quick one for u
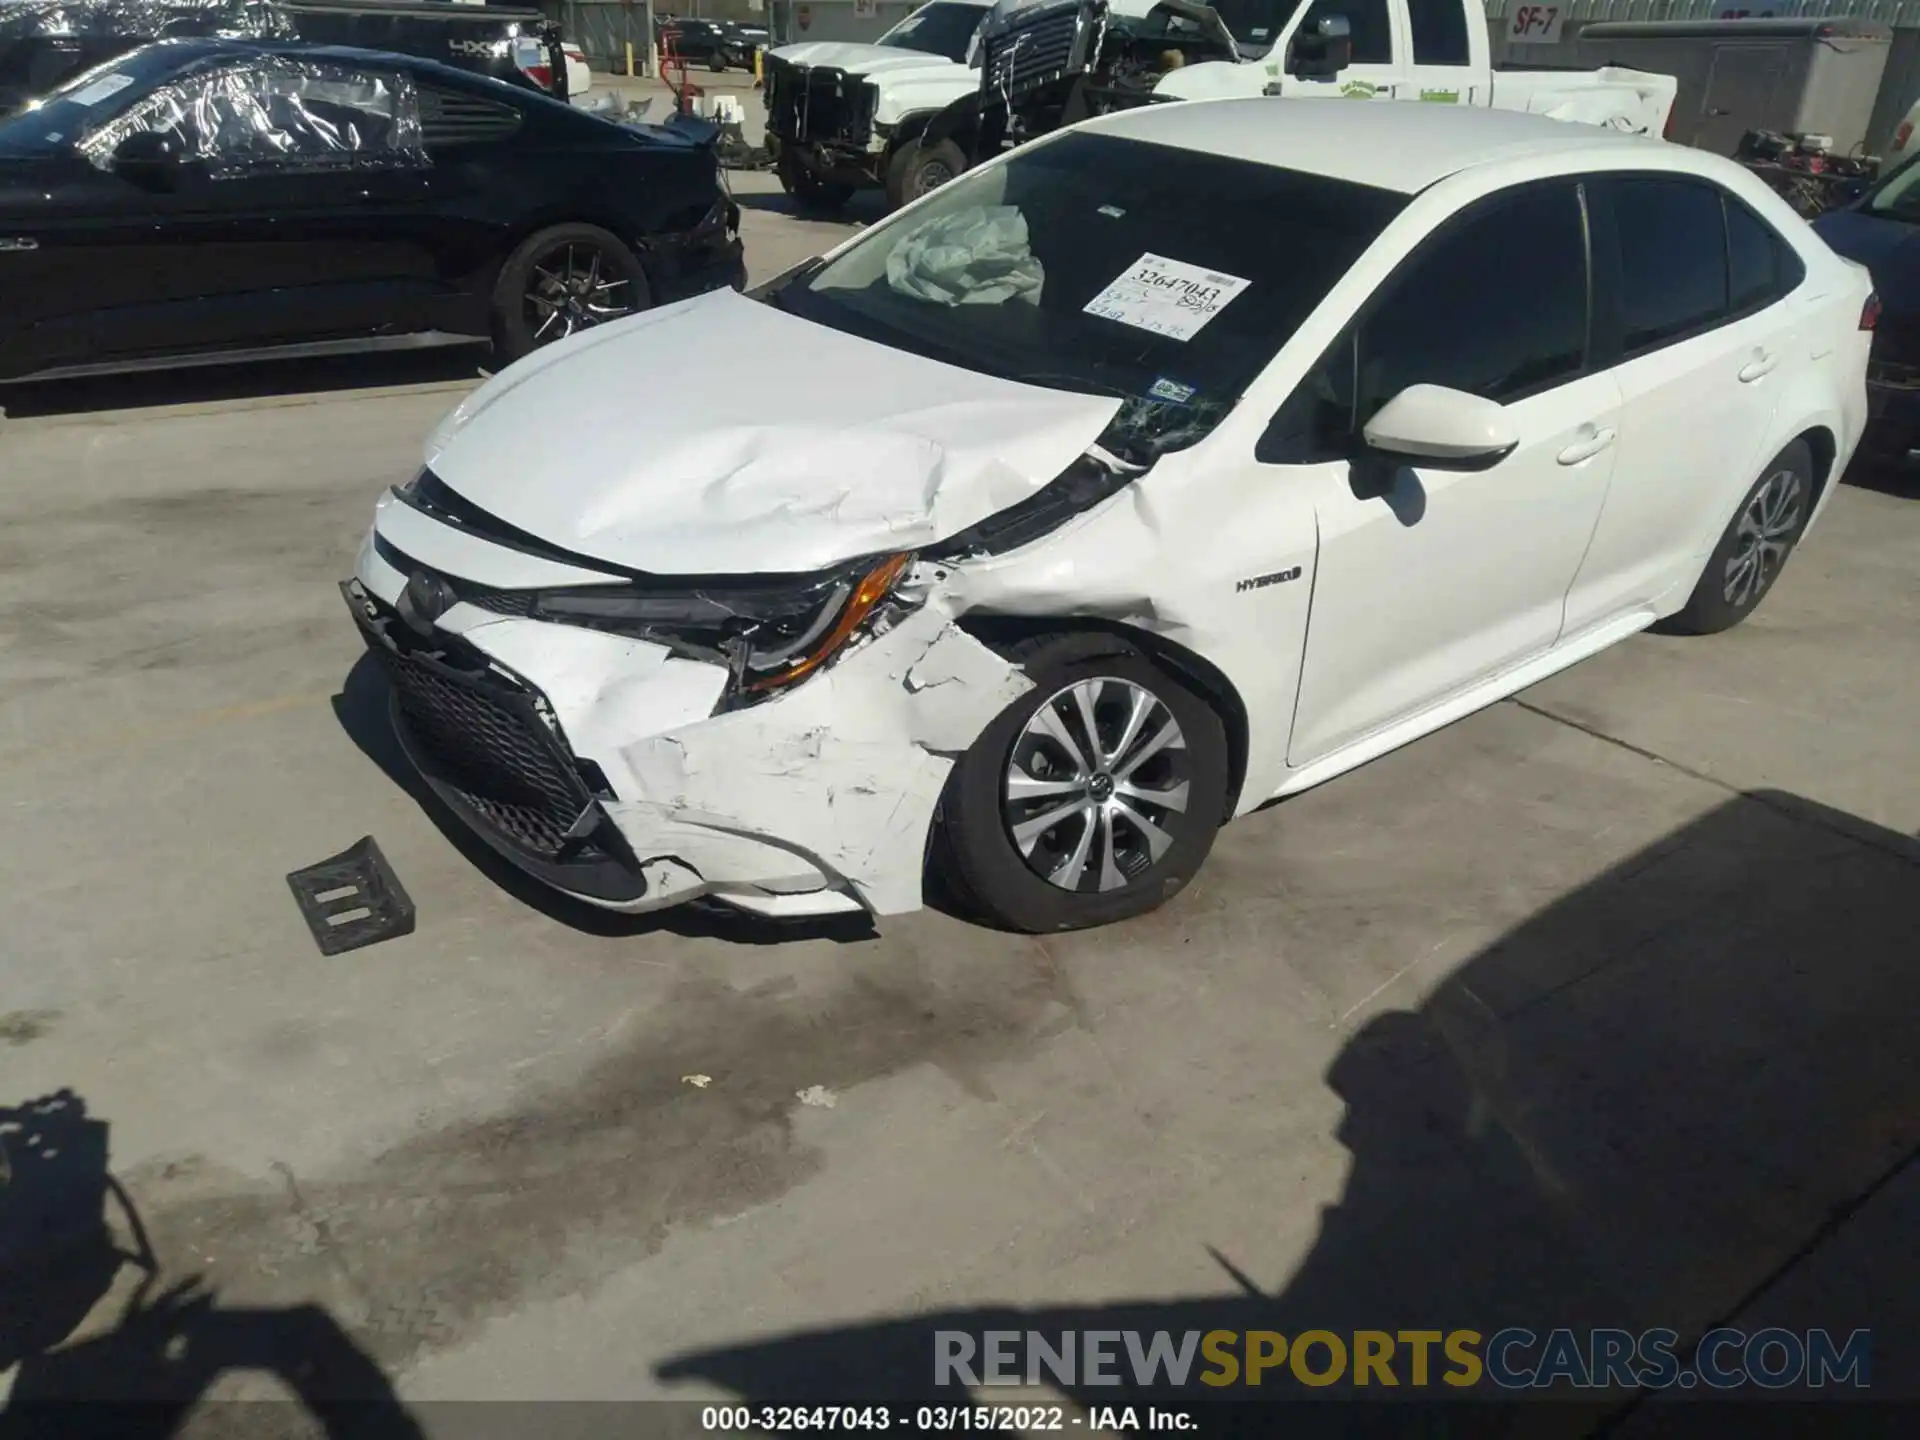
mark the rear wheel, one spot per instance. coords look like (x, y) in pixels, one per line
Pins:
(1754, 547)
(1092, 798)
(808, 190)
(561, 281)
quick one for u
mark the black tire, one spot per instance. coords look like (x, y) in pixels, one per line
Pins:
(1742, 569)
(898, 164)
(517, 331)
(922, 168)
(717, 62)
(976, 822)
(808, 190)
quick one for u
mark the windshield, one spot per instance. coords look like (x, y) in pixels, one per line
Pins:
(1168, 278)
(1899, 194)
(65, 113)
(1256, 24)
(943, 28)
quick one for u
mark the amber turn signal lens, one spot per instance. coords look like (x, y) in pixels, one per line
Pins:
(874, 587)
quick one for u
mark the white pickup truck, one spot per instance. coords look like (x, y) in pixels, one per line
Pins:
(959, 80)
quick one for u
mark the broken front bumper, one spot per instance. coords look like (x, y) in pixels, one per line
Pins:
(711, 256)
(603, 766)
(483, 743)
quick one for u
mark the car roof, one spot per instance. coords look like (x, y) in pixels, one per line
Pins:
(1400, 147)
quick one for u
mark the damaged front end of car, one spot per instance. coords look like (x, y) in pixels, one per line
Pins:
(1057, 62)
(778, 742)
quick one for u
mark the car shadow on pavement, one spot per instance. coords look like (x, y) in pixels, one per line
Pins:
(1682, 1096)
(362, 710)
(215, 384)
(100, 1358)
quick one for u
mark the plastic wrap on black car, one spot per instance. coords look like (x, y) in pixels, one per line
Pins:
(220, 19)
(275, 112)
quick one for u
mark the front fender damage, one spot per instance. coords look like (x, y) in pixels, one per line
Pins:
(837, 781)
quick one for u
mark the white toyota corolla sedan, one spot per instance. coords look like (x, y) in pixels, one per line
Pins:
(1175, 462)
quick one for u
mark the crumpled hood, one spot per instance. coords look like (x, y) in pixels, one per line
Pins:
(721, 435)
(866, 60)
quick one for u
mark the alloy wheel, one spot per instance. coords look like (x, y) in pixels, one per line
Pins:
(1094, 779)
(934, 174)
(570, 289)
(1765, 533)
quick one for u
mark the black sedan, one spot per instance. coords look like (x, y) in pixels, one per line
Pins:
(202, 201)
(718, 44)
(1881, 230)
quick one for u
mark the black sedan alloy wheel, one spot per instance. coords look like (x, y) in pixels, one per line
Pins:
(572, 288)
(562, 281)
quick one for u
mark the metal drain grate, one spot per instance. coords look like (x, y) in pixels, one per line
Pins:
(353, 899)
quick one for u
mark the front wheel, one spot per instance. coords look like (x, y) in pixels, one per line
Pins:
(1092, 798)
(561, 281)
(1754, 547)
(918, 168)
(808, 190)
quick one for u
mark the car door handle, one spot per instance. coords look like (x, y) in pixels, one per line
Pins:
(1590, 444)
(1761, 365)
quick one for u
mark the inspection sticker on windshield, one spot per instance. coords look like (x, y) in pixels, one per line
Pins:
(1166, 297)
(104, 88)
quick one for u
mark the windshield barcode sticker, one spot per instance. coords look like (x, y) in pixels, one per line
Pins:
(1165, 297)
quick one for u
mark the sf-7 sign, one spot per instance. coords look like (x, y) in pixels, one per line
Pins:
(1537, 24)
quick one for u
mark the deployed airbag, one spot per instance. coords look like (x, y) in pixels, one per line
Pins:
(976, 256)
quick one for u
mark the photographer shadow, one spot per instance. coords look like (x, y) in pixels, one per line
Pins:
(1678, 1097)
(143, 1370)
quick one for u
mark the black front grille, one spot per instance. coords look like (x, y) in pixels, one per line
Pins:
(816, 104)
(496, 602)
(1033, 47)
(481, 735)
(492, 750)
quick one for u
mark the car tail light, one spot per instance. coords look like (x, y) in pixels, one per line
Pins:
(1870, 312)
(531, 59)
(1903, 135)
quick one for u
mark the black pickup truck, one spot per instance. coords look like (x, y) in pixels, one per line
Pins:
(43, 42)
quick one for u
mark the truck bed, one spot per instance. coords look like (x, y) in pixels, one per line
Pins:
(1637, 102)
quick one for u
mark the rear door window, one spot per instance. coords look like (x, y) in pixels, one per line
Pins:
(1673, 259)
(1761, 266)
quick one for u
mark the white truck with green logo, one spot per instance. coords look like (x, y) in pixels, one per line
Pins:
(1040, 64)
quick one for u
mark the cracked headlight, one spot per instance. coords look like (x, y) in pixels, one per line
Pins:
(769, 634)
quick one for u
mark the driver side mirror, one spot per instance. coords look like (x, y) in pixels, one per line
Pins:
(1434, 428)
(149, 159)
(1323, 52)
